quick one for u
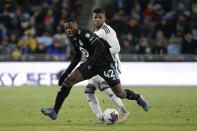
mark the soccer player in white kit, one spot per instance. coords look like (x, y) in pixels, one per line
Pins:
(105, 32)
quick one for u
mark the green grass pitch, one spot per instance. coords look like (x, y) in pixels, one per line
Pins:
(171, 109)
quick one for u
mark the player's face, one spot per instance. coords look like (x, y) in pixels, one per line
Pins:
(98, 19)
(70, 28)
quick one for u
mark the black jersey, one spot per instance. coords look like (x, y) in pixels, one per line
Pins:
(84, 41)
(94, 49)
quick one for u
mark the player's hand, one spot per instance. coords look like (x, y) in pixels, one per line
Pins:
(62, 78)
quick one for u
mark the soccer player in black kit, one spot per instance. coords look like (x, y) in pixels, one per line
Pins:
(99, 62)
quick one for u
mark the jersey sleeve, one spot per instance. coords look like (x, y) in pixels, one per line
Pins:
(91, 37)
(100, 33)
(75, 61)
(111, 38)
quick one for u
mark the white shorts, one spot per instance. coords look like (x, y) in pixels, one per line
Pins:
(96, 80)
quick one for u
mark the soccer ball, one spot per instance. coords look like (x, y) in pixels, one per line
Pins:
(110, 116)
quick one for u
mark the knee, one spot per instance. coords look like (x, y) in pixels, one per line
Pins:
(120, 95)
(74, 78)
(71, 80)
(90, 85)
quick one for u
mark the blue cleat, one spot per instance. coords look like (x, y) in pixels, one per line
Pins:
(49, 112)
(142, 102)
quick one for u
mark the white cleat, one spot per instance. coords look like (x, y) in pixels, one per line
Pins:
(123, 117)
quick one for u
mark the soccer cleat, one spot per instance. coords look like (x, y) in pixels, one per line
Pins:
(123, 117)
(49, 112)
(142, 102)
(98, 121)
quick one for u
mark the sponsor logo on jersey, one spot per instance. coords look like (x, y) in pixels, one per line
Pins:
(84, 52)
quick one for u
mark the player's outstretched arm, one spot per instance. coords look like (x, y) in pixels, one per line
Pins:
(115, 46)
(73, 64)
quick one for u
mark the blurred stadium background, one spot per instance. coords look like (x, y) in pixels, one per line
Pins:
(148, 30)
(158, 40)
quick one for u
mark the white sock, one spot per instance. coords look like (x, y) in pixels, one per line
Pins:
(94, 104)
(117, 101)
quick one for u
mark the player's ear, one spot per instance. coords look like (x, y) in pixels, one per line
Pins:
(65, 25)
(93, 15)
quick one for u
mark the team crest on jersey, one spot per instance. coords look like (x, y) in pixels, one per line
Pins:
(87, 35)
(84, 52)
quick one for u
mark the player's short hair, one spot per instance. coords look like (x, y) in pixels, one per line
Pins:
(70, 19)
(98, 10)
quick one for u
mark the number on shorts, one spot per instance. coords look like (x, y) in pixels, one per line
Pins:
(109, 73)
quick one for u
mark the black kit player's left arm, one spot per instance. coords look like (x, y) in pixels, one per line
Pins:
(73, 64)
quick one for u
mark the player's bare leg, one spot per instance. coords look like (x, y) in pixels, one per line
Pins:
(130, 95)
(74, 78)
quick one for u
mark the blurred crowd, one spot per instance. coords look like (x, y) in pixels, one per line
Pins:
(142, 26)
(156, 26)
(35, 27)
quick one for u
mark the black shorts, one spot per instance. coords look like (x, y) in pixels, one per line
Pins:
(106, 71)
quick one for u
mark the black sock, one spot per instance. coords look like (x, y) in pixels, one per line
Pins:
(130, 95)
(61, 95)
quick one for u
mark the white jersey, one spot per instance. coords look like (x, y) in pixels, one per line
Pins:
(109, 35)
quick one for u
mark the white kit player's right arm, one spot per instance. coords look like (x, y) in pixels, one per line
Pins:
(111, 38)
(109, 35)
